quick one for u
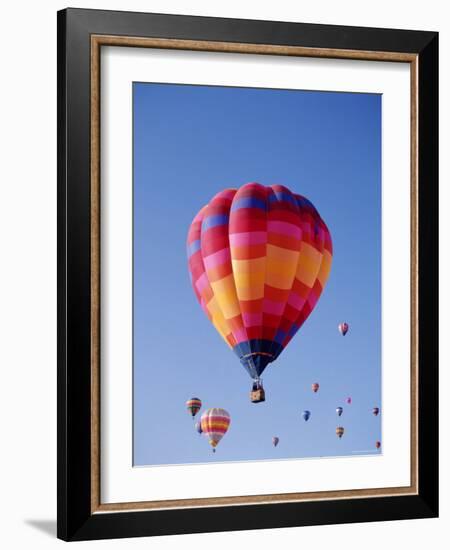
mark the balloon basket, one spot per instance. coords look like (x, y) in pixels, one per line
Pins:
(257, 396)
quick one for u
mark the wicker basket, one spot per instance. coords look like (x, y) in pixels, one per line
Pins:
(256, 396)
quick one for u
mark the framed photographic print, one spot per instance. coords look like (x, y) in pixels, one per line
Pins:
(247, 254)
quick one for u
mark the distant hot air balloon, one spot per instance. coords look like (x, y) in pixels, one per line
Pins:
(343, 328)
(193, 405)
(198, 427)
(259, 258)
(375, 411)
(339, 410)
(339, 431)
(306, 415)
(275, 441)
(378, 444)
(214, 424)
(348, 400)
(315, 387)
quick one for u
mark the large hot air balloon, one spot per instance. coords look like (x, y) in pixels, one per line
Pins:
(198, 427)
(339, 431)
(375, 411)
(339, 411)
(193, 405)
(275, 441)
(259, 258)
(315, 387)
(214, 424)
(343, 328)
(306, 415)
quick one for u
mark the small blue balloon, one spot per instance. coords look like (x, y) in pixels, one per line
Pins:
(306, 415)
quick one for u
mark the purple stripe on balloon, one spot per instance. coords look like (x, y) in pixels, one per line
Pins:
(248, 202)
(282, 196)
(213, 221)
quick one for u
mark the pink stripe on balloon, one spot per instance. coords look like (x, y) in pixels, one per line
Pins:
(275, 308)
(312, 298)
(306, 227)
(243, 239)
(240, 335)
(218, 258)
(202, 282)
(252, 319)
(296, 301)
(284, 228)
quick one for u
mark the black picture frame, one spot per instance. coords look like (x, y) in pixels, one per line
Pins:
(75, 518)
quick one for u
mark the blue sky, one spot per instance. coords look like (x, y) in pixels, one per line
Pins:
(191, 142)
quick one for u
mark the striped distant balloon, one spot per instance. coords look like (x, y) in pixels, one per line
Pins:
(339, 431)
(275, 441)
(259, 258)
(375, 411)
(339, 411)
(377, 444)
(315, 387)
(343, 328)
(193, 405)
(215, 423)
(348, 400)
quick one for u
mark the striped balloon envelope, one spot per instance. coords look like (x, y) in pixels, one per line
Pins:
(193, 405)
(215, 423)
(340, 431)
(259, 258)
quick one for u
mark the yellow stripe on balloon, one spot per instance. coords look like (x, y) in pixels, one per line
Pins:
(282, 254)
(308, 266)
(281, 267)
(215, 425)
(254, 265)
(325, 268)
(218, 320)
(249, 276)
(225, 294)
